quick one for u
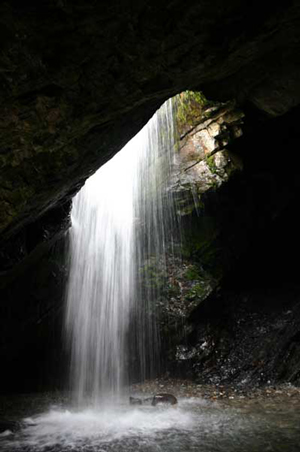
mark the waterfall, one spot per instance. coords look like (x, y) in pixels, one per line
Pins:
(122, 223)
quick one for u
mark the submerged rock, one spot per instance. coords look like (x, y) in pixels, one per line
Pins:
(161, 398)
(164, 398)
(135, 401)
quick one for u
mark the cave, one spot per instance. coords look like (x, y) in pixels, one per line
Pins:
(78, 81)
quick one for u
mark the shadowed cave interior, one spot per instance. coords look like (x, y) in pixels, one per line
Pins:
(77, 82)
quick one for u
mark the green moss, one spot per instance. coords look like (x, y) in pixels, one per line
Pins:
(153, 276)
(198, 291)
(190, 106)
(214, 185)
(192, 273)
(211, 163)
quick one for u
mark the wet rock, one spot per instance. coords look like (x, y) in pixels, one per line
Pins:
(203, 160)
(158, 399)
(164, 398)
(135, 401)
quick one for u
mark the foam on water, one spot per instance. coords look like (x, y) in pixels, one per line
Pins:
(6, 433)
(93, 428)
(194, 425)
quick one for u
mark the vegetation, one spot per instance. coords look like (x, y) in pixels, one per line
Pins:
(190, 107)
(197, 291)
(211, 163)
(192, 273)
(153, 275)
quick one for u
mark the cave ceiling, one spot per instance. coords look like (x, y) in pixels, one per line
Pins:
(80, 78)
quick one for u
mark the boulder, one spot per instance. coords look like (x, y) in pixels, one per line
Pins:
(161, 398)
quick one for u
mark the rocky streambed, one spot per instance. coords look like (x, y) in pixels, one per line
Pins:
(222, 394)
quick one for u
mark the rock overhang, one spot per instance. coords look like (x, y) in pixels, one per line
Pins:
(80, 79)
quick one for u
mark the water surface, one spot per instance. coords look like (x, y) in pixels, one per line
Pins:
(194, 425)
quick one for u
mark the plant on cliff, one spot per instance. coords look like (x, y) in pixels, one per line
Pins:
(190, 106)
(211, 163)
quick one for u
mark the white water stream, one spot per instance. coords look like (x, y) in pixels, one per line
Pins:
(121, 219)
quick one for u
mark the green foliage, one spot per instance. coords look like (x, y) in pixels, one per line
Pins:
(192, 273)
(153, 276)
(190, 107)
(196, 291)
(211, 163)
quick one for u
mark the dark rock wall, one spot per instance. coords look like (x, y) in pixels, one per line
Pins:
(247, 330)
(32, 350)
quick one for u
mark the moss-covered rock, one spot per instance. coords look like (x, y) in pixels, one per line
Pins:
(190, 108)
(203, 160)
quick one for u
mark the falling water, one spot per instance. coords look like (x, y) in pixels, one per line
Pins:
(121, 224)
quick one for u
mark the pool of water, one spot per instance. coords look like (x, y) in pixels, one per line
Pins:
(48, 424)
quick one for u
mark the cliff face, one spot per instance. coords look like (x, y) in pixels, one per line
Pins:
(234, 302)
